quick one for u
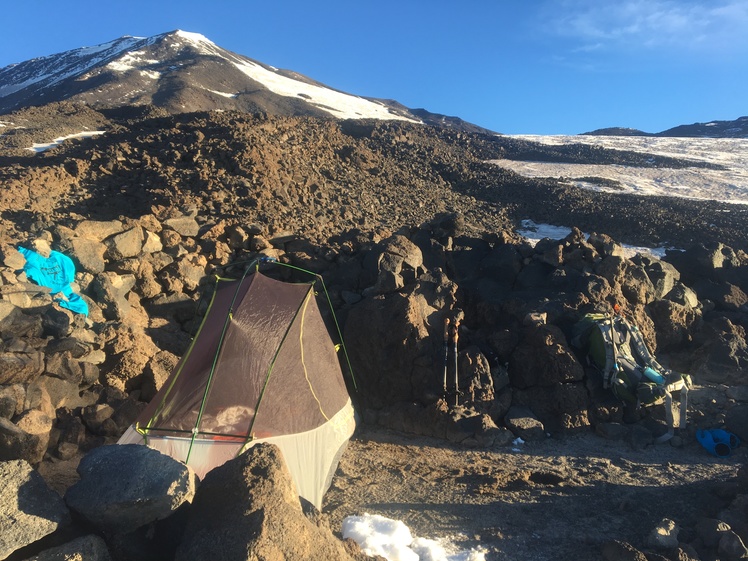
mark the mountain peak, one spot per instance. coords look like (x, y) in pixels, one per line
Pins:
(196, 38)
(182, 71)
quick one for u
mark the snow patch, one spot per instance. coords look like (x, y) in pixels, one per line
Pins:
(42, 147)
(534, 232)
(339, 104)
(197, 38)
(130, 61)
(392, 539)
(224, 94)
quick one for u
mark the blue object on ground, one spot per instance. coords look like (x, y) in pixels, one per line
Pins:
(56, 272)
(718, 442)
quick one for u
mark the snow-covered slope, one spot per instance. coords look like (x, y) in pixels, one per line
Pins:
(729, 184)
(39, 73)
(180, 71)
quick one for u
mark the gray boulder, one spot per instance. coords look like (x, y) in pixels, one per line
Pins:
(523, 422)
(114, 499)
(725, 296)
(110, 290)
(29, 509)
(662, 274)
(85, 548)
(90, 254)
(98, 230)
(20, 363)
(184, 225)
(675, 324)
(27, 438)
(683, 295)
(395, 262)
(11, 400)
(125, 244)
(249, 508)
(605, 245)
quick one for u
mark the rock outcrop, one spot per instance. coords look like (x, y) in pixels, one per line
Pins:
(246, 509)
(30, 510)
(249, 509)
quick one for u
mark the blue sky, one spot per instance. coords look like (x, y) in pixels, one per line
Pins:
(513, 66)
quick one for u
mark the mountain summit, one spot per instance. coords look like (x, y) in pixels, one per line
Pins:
(184, 72)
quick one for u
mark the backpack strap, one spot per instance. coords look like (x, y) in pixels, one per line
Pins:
(669, 412)
(608, 331)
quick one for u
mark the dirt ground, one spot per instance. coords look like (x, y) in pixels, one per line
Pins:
(555, 500)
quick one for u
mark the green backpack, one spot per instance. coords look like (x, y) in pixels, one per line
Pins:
(617, 349)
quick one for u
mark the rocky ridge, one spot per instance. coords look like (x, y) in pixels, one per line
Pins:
(402, 225)
(316, 177)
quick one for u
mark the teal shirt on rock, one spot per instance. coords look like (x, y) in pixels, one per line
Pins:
(56, 272)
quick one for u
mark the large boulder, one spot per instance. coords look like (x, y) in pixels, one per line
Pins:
(675, 324)
(395, 345)
(547, 378)
(85, 548)
(29, 510)
(12, 399)
(249, 508)
(128, 243)
(90, 255)
(395, 262)
(20, 362)
(110, 290)
(662, 274)
(116, 500)
(543, 358)
(725, 296)
(27, 438)
(502, 265)
(723, 356)
(703, 261)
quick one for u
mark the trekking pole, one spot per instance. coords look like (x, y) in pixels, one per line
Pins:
(455, 337)
(446, 352)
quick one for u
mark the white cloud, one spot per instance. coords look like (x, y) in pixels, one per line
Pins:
(706, 27)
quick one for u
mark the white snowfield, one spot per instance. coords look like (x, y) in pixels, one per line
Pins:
(729, 185)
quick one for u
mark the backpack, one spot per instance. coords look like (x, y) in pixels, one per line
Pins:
(617, 349)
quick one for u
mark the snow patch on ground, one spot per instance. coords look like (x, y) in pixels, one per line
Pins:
(392, 539)
(42, 147)
(535, 232)
(224, 94)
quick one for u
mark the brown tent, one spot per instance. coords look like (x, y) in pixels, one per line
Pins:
(262, 368)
